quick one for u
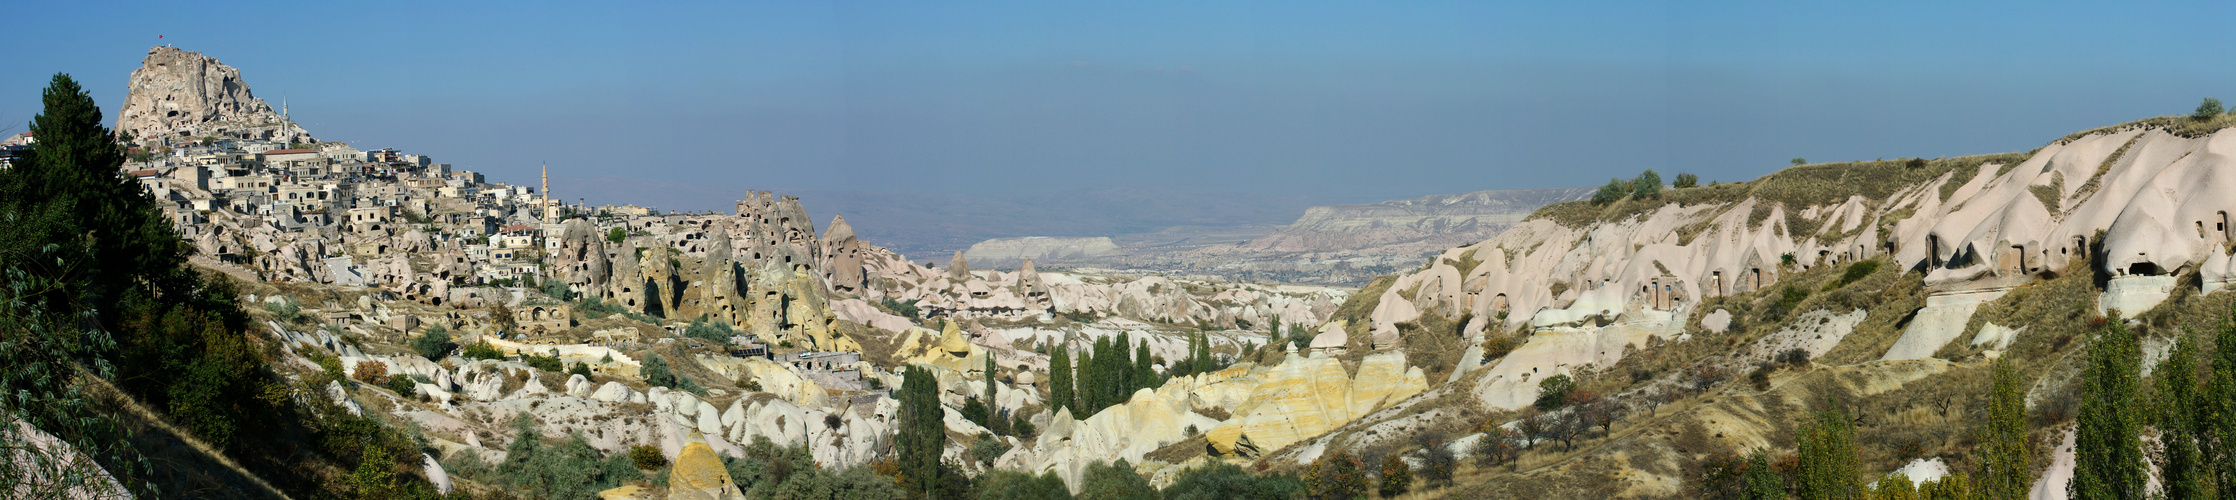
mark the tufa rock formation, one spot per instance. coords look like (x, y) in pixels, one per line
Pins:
(183, 96)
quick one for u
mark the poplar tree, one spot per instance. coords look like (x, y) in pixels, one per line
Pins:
(2003, 451)
(1828, 468)
(1122, 366)
(1089, 385)
(2181, 472)
(2216, 415)
(2109, 456)
(993, 407)
(1144, 374)
(922, 432)
(1060, 379)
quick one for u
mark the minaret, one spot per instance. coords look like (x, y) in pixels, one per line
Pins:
(550, 205)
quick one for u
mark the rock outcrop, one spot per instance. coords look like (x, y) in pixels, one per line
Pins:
(183, 96)
(699, 475)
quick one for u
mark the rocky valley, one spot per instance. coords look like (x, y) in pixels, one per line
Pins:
(236, 309)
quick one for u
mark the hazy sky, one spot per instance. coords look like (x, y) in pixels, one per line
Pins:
(1357, 101)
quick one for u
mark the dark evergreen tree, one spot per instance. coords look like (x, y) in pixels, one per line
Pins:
(2109, 452)
(1060, 380)
(921, 434)
(1090, 378)
(2004, 455)
(992, 405)
(1123, 366)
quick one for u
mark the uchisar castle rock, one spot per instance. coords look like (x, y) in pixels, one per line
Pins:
(1681, 327)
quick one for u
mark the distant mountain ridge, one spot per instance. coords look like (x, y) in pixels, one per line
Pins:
(1417, 225)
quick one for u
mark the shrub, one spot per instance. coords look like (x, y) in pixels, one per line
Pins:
(1553, 391)
(1855, 272)
(1646, 186)
(907, 309)
(1114, 482)
(402, 386)
(484, 351)
(1794, 357)
(1685, 180)
(372, 372)
(716, 331)
(755, 385)
(1335, 475)
(1760, 377)
(1798, 161)
(580, 369)
(655, 372)
(1013, 485)
(616, 235)
(2208, 109)
(434, 344)
(1614, 191)
(558, 290)
(1437, 462)
(1221, 480)
(1022, 428)
(573, 469)
(647, 457)
(988, 448)
(1496, 447)
(286, 310)
(1498, 346)
(1397, 477)
(544, 363)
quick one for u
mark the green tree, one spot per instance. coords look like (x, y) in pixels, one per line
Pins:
(1646, 185)
(1828, 457)
(1060, 379)
(1798, 161)
(921, 434)
(2208, 109)
(2109, 454)
(2182, 471)
(1115, 481)
(2004, 455)
(1397, 477)
(1004, 484)
(1762, 482)
(1685, 180)
(1221, 481)
(616, 235)
(1145, 375)
(1614, 191)
(1089, 383)
(656, 372)
(434, 343)
(2216, 415)
(1335, 476)
(1553, 391)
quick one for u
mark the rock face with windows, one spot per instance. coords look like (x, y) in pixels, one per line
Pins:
(182, 96)
(2145, 204)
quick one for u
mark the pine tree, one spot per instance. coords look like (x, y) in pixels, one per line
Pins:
(2183, 475)
(2216, 413)
(922, 434)
(1828, 468)
(2003, 452)
(110, 237)
(1060, 379)
(2109, 454)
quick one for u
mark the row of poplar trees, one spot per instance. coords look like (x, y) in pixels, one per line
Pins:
(1111, 372)
(2190, 407)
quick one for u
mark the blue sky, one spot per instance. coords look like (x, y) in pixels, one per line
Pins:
(1347, 101)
